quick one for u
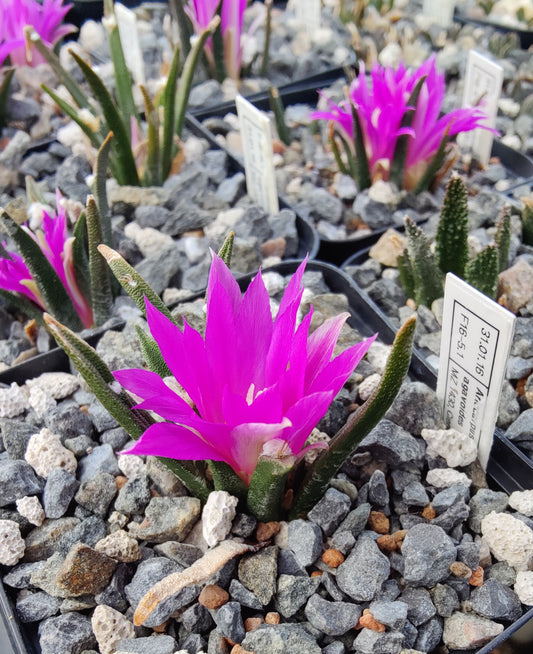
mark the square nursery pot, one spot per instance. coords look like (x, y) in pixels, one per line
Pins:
(19, 638)
(518, 171)
(509, 466)
(303, 236)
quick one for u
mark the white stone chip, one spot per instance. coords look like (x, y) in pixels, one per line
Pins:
(368, 386)
(524, 587)
(12, 544)
(522, 501)
(45, 452)
(378, 355)
(509, 539)
(40, 401)
(120, 546)
(109, 627)
(456, 448)
(446, 477)
(130, 465)
(30, 508)
(58, 385)
(217, 516)
(13, 401)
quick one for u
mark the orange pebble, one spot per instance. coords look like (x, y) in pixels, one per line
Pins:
(239, 649)
(378, 522)
(316, 573)
(272, 617)
(386, 543)
(213, 596)
(333, 558)
(476, 578)
(267, 530)
(429, 512)
(161, 628)
(399, 536)
(368, 621)
(252, 623)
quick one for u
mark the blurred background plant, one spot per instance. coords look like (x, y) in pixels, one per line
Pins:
(391, 130)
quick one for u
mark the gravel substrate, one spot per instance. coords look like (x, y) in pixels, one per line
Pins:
(403, 551)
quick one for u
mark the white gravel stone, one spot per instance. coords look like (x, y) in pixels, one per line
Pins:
(12, 544)
(368, 386)
(377, 356)
(522, 501)
(524, 587)
(130, 465)
(509, 539)
(446, 477)
(40, 401)
(455, 447)
(109, 627)
(58, 385)
(13, 401)
(45, 452)
(120, 546)
(217, 516)
(150, 241)
(30, 508)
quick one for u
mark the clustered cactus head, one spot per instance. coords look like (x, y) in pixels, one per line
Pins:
(202, 12)
(392, 128)
(422, 272)
(46, 19)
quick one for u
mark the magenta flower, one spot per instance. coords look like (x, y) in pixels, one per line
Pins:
(257, 385)
(201, 12)
(57, 246)
(46, 20)
(381, 109)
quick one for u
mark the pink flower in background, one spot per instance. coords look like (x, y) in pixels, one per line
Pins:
(258, 385)
(46, 19)
(201, 12)
(57, 247)
(381, 107)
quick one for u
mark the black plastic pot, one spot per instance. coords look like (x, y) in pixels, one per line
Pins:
(511, 469)
(336, 251)
(525, 36)
(22, 638)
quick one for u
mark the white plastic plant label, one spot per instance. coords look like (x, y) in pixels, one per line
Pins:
(483, 82)
(441, 11)
(129, 37)
(308, 13)
(258, 162)
(476, 339)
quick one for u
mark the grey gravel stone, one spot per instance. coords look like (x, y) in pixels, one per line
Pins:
(414, 494)
(117, 438)
(363, 572)
(324, 205)
(156, 644)
(101, 459)
(182, 553)
(391, 614)
(336, 647)
(427, 552)
(420, 608)
(113, 594)
(70, 633)
(355, 521)
(293, 592)
(68, 420)
(415, 408)
(332, 618)
(243, 525)
(134, 496)
(494, 600)
(448, 497)
(231, 188)
(501, 571)
(239, 593)
(288, 565)
(429, 635)
(483, 502)
(88, 531)
(197, 619)
(15, 436)
(391, 444)
(97, 494)
(378, 494)
(452, 517)
(330, 510)
(37, 606)
(372, 642)
(229, 621)
(17, 479)
(58, 492)
(193, 643)
(445, 599)
(43, 541)
(521, 429)
(20, 575)
(281, 639)
(80, 445)
(468, 553)
(168, 518)
(305, 540)
(258, 573)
